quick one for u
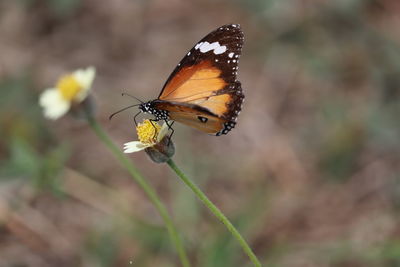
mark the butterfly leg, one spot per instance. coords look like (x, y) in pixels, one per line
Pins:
(169, 125)
(170, 128)
(155, 120)
(151, 121)
(134, 118)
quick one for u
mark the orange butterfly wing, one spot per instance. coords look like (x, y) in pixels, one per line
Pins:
(200, 119)
(204, 83)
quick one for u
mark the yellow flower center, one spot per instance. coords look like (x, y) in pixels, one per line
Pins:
(68, 87)
(148, 131)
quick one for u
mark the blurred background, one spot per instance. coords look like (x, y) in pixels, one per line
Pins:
(310, 175)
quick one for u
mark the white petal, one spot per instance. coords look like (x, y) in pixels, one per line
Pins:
(53, 103)
(134, 146)
(85, 78)
(163, 132)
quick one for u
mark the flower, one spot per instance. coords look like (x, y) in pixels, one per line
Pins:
(70, 89)
(149, 134)
(154, 140)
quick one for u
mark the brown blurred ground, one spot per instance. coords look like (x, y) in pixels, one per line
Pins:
(310, 175)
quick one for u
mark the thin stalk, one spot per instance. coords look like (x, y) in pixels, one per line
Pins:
(246, 248)
(147, 188)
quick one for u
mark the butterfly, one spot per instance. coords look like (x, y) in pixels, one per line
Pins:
(203, 91)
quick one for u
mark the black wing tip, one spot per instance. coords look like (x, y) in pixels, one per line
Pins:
(231, 25)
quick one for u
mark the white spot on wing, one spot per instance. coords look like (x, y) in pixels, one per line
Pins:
(231, 54)
(215, 46)
(198, 45)
(220, 50)
(206, 46)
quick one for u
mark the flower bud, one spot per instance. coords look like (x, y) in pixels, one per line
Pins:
(162, 151)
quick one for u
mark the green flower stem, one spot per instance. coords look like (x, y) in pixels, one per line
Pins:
(150, 192)
(217, 212)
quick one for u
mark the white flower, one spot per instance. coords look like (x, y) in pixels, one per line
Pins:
(70, 89)
(149, 134)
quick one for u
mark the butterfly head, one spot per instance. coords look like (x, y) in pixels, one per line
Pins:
(149, 107)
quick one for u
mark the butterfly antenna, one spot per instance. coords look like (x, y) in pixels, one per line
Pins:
(128, 107)
(125, 94)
